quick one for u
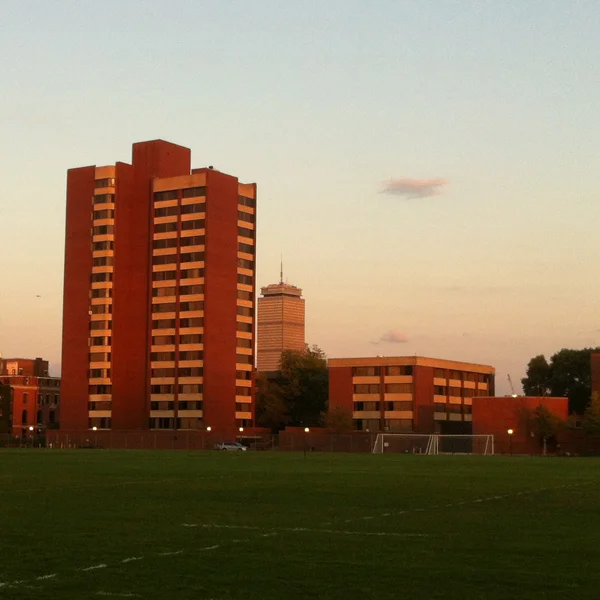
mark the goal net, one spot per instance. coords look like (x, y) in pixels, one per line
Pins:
(415, 443)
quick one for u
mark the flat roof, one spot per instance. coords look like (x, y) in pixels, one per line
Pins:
(421, 361)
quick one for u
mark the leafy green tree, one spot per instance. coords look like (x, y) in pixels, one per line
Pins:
(542, 423)
(297, 394)
(567, 374)
(591, 418)
(338, 420)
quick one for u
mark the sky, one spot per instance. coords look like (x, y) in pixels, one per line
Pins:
(427, 169)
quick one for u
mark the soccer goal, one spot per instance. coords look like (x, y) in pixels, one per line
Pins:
(416, 443)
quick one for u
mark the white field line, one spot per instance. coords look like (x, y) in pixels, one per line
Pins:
(173, 553)
(131, 559)
(43, 577)
(95, 567)
(118, 595)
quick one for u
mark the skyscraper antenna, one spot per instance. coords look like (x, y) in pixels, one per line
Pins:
(281, 271)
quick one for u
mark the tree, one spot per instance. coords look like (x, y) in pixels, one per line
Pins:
(591, 418)
(338, 420)
(296, 394)
(542, 423)
(567, 374)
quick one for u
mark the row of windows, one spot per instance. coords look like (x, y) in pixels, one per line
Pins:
(99, 373)
(184, 274)
(105, 245)
(181, 405)
(179, 423)
(99, 357)
(244, 216)
(170, 340)
(182, 388)
(103, 261)
(389, 388)
(39, 417)
(104, 199)
(170, 356)
(105, 213)
(245, 311)
(244, 279)
(101, 341)
(172, 323)
(442, 390)
(104, 183)
(174, 194)
(245, 232)
(100, 405)
(180, 372)
(184, 290)
(42, 400)
(245, 201)
(246, 248)
(100, 389)
(101, 309)
(185, 209)
(197, 240)
(103, 230)
(375, 371)
(168, 307)
(464, 375)
(100, 325)
(101, 277)
(185, 257)
(388, 406)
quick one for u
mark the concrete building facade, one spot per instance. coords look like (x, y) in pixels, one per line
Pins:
(281, 324)
(408, 393)
(158, 329)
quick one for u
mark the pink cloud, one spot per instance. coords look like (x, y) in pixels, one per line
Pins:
(414, 188)
(394, 337)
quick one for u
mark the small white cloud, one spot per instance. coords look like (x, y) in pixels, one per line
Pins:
(394, 337)
(413, 188)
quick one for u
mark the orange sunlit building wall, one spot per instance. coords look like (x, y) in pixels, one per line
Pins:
(408, 393)
(158, 329)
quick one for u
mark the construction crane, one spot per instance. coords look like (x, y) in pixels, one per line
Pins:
(512, 387)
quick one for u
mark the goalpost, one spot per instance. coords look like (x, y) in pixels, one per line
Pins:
(417, 443)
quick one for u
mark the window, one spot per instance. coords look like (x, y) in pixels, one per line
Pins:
(244, 216)
(162, 405)
(399, 370)
(100, 405)
(162, 423)
(168, 372)
(244, 263)
(246, 248)
(245, 375)
(366, 388)
(365, 371)
(193, 192)
(101, 293)
(454, 408)
(25, 398)
(398, 388)
(162, 340)
(398, 406)
(165, 227)
(196, 224)
(439, 373)
(244, 359)
(193, 322)
(163, 292)
(192, 273)
(467, 409)
(162, 389)
(244, 279)
(52, 417)
(247, 233)
(99, 357)
(164, 259)
(104, 245)
(243, 295)
(100, 422)
(163, 275)
(190, 405)
(245, 311)
(167, 307)
(192, 257)
(162, 356)
(162, 244)
(24, 417)
(104, 183)
(96, 373)
(166, 211)
(100, 325)
(440, 390)
(190, 371)
(468, 393)
(191, 338)
(103, 229)
(194, 305)
(104, 199)
(188, 290)
(100, 389)
(103, 261)
(243, 391)
(455, 391)
(190, 388)
(245, 327)
(164, 323)
(107, 213)
(245, 201)
(100, 341)
(191, 355)
(166, 195)
(193, 240)
(244, 343)
(101, 277)
(190, 209)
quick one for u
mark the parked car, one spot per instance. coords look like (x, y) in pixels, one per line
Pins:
(230, 446)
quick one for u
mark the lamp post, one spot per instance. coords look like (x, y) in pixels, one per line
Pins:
(306, 432)
(510, 434)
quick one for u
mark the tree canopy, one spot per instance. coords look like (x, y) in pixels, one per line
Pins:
(591, 420)
(297, 394)
(568, 373)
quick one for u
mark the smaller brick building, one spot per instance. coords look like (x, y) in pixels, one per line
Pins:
(498, 415)
(34, 396)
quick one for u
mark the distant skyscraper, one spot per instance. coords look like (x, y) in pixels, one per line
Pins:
(280, 323)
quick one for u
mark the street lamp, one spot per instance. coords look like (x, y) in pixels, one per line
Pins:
(510, 434)
(241, 429)
(209, 429)
(306, 430)
(94, 428)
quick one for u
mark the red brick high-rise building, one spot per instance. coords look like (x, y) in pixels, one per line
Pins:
(158, 326)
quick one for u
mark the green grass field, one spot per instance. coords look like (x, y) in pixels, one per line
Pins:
(220, 526)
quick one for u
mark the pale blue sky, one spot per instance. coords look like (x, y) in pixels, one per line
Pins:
(319, 102)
